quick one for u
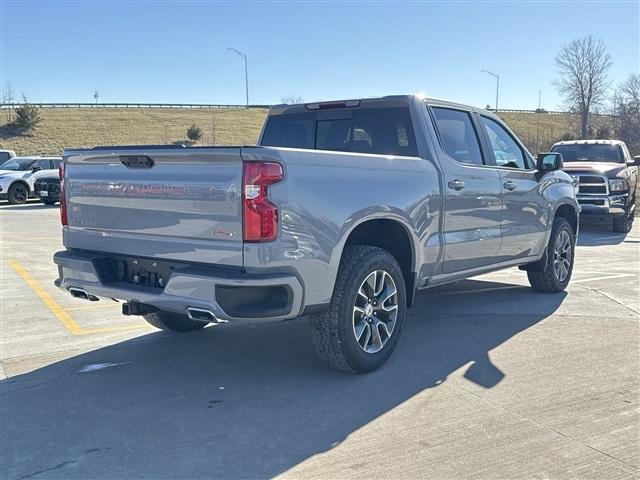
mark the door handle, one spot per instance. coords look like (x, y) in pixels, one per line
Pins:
(456, 184)
(510, 185)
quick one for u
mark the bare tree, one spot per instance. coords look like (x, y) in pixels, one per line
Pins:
(583, 65)
(626, 105)
(8, 98)
(292, 99)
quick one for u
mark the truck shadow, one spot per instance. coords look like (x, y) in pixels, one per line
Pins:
(243, 401)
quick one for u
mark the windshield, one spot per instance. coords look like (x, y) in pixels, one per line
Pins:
(17, 164)
(590, 153)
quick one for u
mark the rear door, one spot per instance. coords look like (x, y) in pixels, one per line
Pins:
(524, 218)
(473, 193)
(170, 203)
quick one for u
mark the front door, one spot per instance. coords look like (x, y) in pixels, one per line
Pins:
(473, 194)
(523, 221)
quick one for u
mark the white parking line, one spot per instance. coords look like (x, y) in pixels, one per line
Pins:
(605, 277)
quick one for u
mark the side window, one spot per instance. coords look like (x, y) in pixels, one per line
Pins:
(43, 164)
(457, 135)
(4, 156)
(56, 164)
(505, 149)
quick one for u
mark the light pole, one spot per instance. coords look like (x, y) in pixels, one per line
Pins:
(497, 77)
(246, 74)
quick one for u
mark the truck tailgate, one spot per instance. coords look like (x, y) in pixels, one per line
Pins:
(168, 203)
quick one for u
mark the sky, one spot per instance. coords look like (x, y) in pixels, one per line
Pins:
(176, 52)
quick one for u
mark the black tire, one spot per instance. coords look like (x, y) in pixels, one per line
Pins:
(173, 321)
(622, 224)
(333, 333)
(548, 280)
(48, 201)
(17, 194)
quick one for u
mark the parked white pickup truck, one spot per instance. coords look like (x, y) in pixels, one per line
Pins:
(343, 212)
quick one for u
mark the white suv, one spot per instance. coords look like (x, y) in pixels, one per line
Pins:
(18, 174)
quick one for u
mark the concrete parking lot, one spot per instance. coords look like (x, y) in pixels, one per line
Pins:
(490, 380)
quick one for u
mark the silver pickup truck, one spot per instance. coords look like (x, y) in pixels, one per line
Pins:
(343, 212)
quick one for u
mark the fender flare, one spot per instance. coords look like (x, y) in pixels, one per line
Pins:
(22, 181)
(350, 226)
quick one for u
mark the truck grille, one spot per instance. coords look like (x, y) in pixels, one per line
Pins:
(591, 184)
(53, 186)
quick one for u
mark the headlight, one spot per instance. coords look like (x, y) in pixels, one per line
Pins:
(618, 185)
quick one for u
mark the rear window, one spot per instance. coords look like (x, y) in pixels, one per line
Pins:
(590, 153)
(386, 131)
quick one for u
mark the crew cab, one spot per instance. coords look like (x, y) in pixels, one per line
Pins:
(19, 174)
(606, 177)
(342, 212)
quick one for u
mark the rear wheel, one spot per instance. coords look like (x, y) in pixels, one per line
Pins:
(558, 266)
(17, 194)
(173, 321)
(360, 330)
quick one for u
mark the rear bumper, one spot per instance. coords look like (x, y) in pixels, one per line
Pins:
(55, 198)
(231, 295)
(603, 205)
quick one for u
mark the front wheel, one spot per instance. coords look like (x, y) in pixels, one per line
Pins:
(360, 330)
(622, 224)
(17, 194)
(558, 266)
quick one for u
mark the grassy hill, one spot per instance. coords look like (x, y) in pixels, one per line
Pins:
(80, 127)
(86, 127)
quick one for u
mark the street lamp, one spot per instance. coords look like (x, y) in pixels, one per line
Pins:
(497, 77)
(246, 75)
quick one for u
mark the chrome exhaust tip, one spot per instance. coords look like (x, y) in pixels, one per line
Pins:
(82, 293)
(201, 315)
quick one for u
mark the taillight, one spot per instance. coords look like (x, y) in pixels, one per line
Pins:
(259, 215)
(63, 199)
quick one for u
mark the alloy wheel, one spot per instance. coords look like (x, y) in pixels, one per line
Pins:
(375, 311)
(562, 256)
(19, 194)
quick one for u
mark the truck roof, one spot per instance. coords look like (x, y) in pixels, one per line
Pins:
(589, 142)
(386, 101)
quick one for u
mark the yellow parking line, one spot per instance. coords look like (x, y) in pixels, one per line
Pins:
(56, 309)
(59, 312)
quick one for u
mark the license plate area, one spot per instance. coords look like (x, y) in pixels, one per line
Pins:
(140, 272)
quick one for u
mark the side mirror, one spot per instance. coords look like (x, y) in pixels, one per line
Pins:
(36, 169)
(549, 161)
(636, 161)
